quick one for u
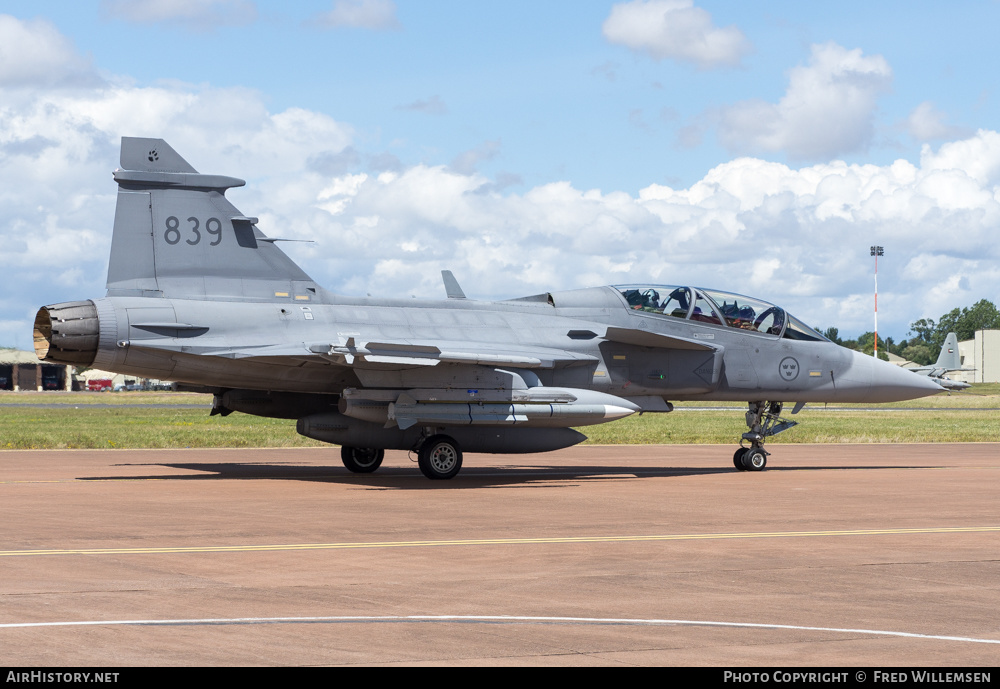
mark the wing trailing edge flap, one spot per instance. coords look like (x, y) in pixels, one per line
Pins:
(644, 338)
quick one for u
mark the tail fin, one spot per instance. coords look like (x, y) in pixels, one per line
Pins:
(949, 358)
(176, 235)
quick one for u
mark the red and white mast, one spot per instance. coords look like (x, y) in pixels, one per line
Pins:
(876, 252)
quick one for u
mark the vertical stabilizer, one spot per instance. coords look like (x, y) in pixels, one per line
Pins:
(176, 235)
(152, 155)
(451, 286)
(949, 358)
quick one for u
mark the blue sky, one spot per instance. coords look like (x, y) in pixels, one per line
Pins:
(754, 147)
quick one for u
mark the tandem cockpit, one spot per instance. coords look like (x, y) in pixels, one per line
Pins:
(713, 307)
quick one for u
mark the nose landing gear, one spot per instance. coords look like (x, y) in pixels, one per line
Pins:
(763, 421)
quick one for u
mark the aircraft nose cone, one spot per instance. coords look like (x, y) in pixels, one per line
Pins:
(888, 382)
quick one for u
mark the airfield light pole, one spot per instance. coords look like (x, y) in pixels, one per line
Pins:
(876, 252)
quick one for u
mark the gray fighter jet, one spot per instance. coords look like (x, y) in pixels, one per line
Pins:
(198, 294)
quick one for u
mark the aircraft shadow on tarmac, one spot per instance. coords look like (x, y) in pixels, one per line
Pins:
(405, 478)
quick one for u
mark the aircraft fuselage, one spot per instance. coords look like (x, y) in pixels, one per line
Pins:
(229, 344)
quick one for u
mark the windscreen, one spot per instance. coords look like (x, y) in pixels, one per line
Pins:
(797, 330)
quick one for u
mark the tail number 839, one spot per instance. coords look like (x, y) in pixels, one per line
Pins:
(172, 235)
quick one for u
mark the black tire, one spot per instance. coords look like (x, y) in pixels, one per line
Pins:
(439, 458)
(362, 460)
(754, 459)
(738, 458)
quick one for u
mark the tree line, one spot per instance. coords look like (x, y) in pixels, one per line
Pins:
(927, 335)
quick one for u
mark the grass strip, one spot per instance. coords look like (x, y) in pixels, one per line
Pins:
(128, 427)
(136, 427)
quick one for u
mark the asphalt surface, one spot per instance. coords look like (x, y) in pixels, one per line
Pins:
(856, 555)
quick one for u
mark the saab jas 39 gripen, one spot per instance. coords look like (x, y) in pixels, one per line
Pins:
(198, 294)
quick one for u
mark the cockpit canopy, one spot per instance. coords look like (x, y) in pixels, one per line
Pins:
(717, 308)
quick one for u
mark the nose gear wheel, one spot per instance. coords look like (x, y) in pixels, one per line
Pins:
(763, 420)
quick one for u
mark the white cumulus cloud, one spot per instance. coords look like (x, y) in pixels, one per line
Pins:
(828, 109)
(34, 54)
(675, 29)
(797, 236)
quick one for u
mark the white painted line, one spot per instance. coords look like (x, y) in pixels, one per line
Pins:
(487, 619)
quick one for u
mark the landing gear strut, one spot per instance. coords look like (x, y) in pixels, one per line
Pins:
(763, 421)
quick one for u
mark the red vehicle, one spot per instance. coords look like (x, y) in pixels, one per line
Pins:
(99, 384)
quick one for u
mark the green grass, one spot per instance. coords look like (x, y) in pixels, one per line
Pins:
(815, 426)
(73, 421)
(93, 398)
(979, 396)
(127, 427)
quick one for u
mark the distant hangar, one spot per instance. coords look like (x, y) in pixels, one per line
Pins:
(23, 371)
(981, 354)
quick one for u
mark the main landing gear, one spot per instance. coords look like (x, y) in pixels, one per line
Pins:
(361, 460)
(439, 457)
(763, 421)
